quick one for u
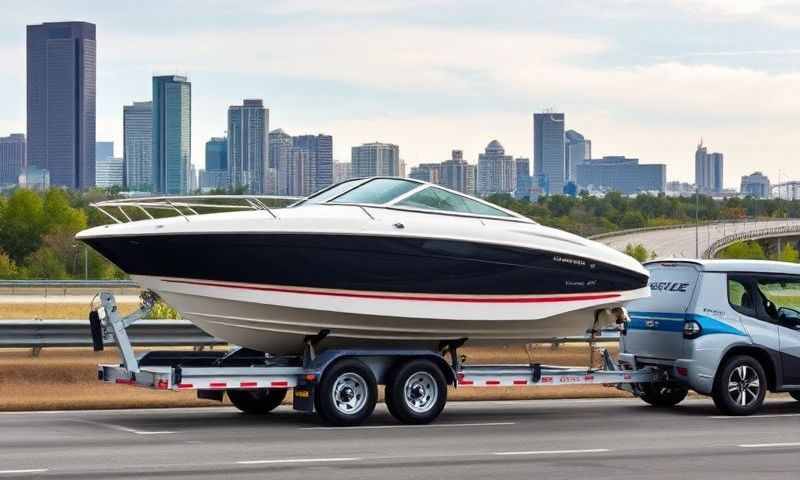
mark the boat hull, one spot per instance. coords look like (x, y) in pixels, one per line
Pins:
(276, 320)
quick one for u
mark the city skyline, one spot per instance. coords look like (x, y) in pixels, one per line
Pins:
(648, 99)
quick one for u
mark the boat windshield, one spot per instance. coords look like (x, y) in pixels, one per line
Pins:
(433, 198)
(331, 192)
(377, 191)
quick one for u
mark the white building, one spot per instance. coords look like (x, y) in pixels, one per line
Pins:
(376, 159)
(496, 171)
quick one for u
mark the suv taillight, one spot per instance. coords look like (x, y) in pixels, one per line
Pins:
(691, 329)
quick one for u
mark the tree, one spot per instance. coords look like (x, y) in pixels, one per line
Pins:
(788, 254)
(8, 269)
(743, 251)
(632, 219)
(23, 223)
(45, 263)
(639, 252)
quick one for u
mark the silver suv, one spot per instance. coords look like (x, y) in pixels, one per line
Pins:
(725, 328)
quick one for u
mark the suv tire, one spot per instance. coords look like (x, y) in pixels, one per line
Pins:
(740, 386)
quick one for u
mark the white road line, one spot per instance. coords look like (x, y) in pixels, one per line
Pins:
(120, 428)
(755, 417)
(770, 445)
(18, 472)
(433, 425)
(298, 460)
(554, 452)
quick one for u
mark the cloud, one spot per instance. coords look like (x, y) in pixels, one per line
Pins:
(783, 13)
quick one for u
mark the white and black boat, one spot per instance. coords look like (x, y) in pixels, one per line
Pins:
(367, 261)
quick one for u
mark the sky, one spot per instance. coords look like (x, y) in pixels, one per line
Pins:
(641, 78)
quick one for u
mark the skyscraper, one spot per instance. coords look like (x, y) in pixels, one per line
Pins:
(320, 148)
(12, 158)
(342, 171)
(215, 175)
(496, 172)
(427, 172)
(576, 151)
(522, 188)
(755, 185)
(548, 149)
(61, 77)
(371, 159)
(172, 134)
(454, 172)
(109, 172)
(103, 150)
(137, 145)
(248, 151)
(708, 170)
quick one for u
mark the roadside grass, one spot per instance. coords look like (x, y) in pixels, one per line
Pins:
(53, 311)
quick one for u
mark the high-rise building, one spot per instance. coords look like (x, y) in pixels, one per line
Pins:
(577, 150)
(172, 134)
(110, 172)
(496, 172)
(342, 171)
(61, 89)
(34, 178)
(708, 170)
(137, 145)
(376, 159)
(522, 188)
(293, 166)
(548, 150)
(103, 150)
(215, 175)
(755, 185)
(453, 174)
(278, 141)
(248, 150)
(12, 158)
(427, 172)
(472, 179)
(320, 148)
(621, 174)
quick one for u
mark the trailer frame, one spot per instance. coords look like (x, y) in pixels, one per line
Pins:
(212, 373)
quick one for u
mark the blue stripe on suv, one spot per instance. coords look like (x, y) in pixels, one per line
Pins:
(673, 322)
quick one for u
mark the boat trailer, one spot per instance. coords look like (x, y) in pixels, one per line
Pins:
(212, 373)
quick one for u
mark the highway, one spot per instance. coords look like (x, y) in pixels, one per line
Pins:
(549, 439)
(680, 242)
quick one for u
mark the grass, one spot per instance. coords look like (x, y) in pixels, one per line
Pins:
(63, 379)
(53, 311)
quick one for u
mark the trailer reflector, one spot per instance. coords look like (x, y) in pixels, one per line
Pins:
(492, 382)
(462, 381)
(248, 384)
(185, 385)
(520, 382)
(217, 384)
(162, 384)
(281, 383)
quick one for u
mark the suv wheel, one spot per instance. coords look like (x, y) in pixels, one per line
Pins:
(741, 386)
(663, 394)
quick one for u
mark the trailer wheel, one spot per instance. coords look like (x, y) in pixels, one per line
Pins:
(256, 401)
(795, 395)
(663, 394)
(417, 392)
(741, 386)
(347, 393)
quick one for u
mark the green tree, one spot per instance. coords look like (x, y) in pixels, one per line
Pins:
(23, 223)
(743, 251)
(632, 219)
(639, 252)
(59, 215)
(46, 264)
(788, 254)
(8, 269)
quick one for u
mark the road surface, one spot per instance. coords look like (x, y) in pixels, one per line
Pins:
(680, 242)
(598, 439)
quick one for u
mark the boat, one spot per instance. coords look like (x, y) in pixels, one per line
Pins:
(366, 262)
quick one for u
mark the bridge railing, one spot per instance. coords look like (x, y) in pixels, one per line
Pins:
(770, 232)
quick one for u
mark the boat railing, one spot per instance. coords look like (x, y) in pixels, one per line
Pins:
(125, 210)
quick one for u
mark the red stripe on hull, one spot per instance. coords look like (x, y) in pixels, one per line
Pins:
(598, 296)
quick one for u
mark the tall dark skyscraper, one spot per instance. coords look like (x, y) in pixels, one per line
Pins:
(548, 150)
(61, 80)
(137, 146)
(172, 134)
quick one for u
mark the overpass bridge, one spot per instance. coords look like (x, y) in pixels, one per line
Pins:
(705, 241)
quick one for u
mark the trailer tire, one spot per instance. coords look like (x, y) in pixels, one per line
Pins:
(663, 395)
(416, 392)
(795, 395)
(256, 401)
(346, 394)
(740, 386)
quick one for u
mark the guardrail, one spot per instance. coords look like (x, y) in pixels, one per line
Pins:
(620, 233)
(762, 233)
(65, 287)
(38, 334)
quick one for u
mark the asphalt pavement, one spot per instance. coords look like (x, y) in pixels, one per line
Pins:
(552, 439)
